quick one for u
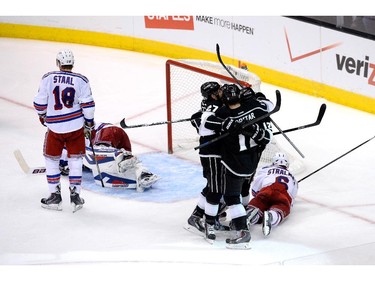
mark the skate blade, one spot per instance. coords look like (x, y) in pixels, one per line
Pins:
(193, 230)
(240, 246)
(76, 207)
(52, 207)
(209, 241)
(266, 231)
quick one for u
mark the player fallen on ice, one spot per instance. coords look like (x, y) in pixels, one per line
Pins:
(274, 190)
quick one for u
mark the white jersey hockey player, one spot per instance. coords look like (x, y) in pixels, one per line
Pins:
(274, 190)
(65, 105)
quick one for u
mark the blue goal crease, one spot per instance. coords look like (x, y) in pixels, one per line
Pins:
(179, 180)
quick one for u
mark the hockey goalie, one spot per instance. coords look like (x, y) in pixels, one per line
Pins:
(112, 163)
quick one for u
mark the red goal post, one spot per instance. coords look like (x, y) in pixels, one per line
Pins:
(183, 98)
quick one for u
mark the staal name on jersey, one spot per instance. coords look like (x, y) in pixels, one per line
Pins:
(63, 79)
(278, 171)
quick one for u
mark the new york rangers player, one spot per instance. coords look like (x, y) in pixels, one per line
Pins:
(274, 190)
(65, 105)
(118, 168)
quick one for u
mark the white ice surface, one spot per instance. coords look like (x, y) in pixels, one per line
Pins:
(333, 222)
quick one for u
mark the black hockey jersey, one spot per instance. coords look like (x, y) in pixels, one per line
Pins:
(241, 151)
(208, 108)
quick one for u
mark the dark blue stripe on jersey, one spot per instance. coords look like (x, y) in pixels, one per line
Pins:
(87, 104)
(40, 107)
(64, 117)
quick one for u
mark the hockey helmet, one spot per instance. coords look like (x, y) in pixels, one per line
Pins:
(246, 93)
(280, 159)
(230, 93)
(64, 57)
(209, 88)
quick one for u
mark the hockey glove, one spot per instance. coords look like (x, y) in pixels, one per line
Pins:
(196, 120)
(42, 119)
(260, 96)
(251, 131)
(230, 125)
(246, 93)
(88, 127)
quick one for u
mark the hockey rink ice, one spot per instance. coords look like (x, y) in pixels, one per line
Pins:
(332, 223)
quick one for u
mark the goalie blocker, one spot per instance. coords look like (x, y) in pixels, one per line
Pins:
(118, 169)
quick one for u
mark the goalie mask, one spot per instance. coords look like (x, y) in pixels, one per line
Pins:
(64, 57)
(280, 159)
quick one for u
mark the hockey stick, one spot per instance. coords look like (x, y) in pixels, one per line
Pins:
(238, 82)
(336, 159)
(275, 109)
(96, 160)
(124, 126)
(25, 167)
(317, 122)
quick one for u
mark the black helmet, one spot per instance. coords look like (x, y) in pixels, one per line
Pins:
(231, 93)
(209, 88)
(246, 93)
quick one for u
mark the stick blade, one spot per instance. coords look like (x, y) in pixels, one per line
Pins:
(25, 167)
(322, 110)
(122, 124)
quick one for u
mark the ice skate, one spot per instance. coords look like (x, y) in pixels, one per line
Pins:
(252, 216)
(219, 226)
(241, 240)
(267, 223)
(53, 202)
(210, 235)
(76, 201)
(195, 224)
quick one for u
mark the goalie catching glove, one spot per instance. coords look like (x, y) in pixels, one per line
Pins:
(125, 161)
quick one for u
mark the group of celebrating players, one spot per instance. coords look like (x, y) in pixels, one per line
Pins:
(230, 164)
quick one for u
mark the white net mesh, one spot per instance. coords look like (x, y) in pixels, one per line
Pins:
(184, 80)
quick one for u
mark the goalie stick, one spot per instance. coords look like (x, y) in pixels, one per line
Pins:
(124, 126)
(96, 160)
(274, 110)
(238, 82)
(317, 122)
(25, 167)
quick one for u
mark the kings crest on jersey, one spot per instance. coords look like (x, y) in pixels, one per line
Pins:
(118, 168)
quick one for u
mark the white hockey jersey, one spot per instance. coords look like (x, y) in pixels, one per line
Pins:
(272, 174)
(66, 99)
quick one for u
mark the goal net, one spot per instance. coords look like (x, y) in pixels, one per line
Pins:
(183, 81)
